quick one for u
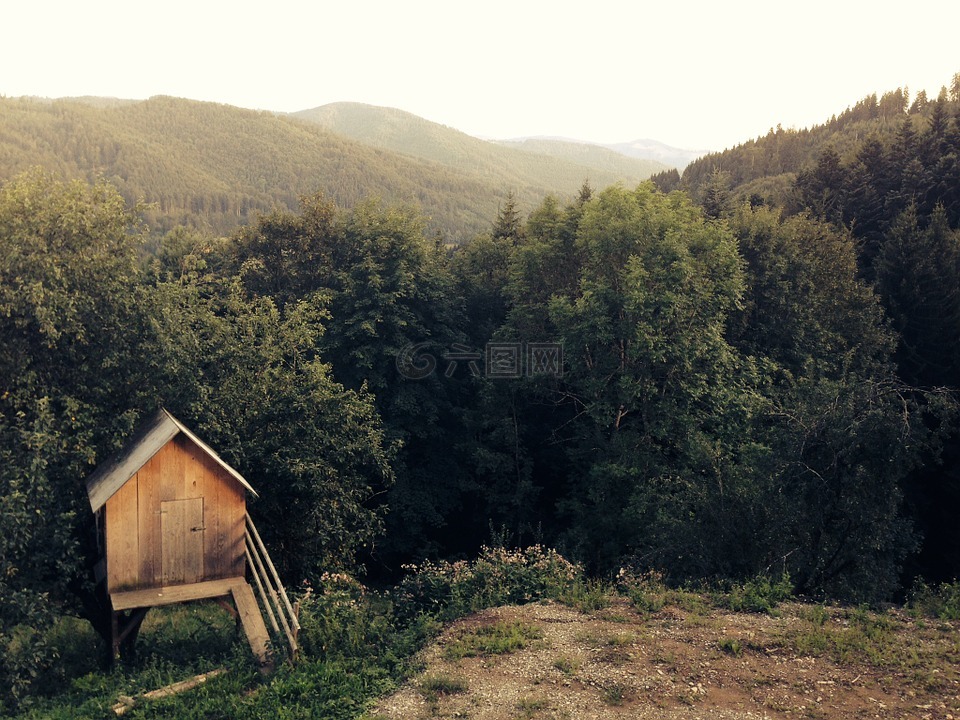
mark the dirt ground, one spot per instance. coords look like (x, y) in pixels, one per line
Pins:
(617, 663)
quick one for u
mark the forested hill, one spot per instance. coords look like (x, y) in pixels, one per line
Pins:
(215, 166)
(767, 166)
(547, 165)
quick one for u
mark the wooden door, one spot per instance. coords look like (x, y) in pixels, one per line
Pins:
(181, 541)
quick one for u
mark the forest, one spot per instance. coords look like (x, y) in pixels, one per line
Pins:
(215, 167)
(749, 371)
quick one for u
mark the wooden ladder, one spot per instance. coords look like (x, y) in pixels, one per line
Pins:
(277, 608)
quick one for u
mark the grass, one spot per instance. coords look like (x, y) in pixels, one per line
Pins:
(497, 639)
(359, 645)
(178, 642)
(731, 646)
(529, 707)
(587, 596)
(925, 657)
(567, 665)
(650, 593)
(616, 693)
(434, 686)
(941, 602)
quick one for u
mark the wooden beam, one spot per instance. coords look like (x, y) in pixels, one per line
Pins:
(133, 624)
(125, 703)
(173, 594)
(252, 620)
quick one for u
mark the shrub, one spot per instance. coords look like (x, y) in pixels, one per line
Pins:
(941, 602)
(345, 620)
(497, 577)
(760, 594)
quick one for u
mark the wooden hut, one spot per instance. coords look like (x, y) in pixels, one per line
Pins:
(173, 527)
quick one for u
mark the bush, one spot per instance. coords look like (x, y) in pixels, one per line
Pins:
(760, 594)
(650, 593)
(347, 621)
(942, 602)
(498, 577)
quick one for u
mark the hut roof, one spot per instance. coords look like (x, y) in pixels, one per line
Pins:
(151, 436)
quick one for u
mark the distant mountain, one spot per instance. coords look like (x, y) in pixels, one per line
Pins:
(518, 166)
(216, 166)
(589, 154)
(654, 150)
(657, 154)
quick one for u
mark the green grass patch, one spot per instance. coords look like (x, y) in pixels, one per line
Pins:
(731, 646)
(761, 594)
(433, 687)
(927, 657)
(497, 639)
(649, 593)
(566, 664)
(587, 596)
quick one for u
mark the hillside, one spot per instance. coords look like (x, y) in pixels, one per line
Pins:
(538, 164)
(590, 155)
(215, 166)
(766, 167)
(548, 661)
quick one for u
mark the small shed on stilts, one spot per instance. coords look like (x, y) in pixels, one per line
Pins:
(173, 527)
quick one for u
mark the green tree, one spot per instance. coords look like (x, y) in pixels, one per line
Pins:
(918, 276)
(841, 432)
(71, 380)
(258, 391)
(88, 346)
(649, 379)
(387, 294)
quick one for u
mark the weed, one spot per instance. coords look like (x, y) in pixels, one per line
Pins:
(498, 577)
(648, 592)
(731, 646)
(529, 707)
(816, 615)
(566, 665)
(860, 635)
(941, 602)
(587, 597)
(616, 693)
(433, 687)
(620, 639)
(761, 594)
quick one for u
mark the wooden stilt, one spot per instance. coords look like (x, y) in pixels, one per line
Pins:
(115, 636)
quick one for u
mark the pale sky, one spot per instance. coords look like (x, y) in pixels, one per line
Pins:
(696, 75)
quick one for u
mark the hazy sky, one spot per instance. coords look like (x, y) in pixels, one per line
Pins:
(698, 75)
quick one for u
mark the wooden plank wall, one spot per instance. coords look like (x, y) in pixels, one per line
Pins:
(179, 471)
(123, 541)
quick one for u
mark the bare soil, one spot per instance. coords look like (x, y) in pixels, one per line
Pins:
(615, 663)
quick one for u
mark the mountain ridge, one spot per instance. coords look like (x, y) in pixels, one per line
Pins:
(402, 131)
(640, 148)
(214, 166)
